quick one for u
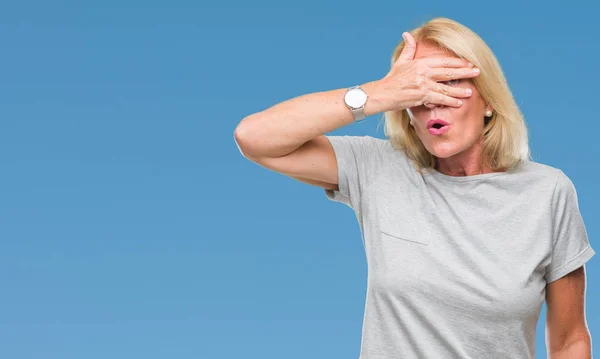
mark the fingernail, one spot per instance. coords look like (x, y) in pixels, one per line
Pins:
(459, 102)
(468, 91)
(476, 70)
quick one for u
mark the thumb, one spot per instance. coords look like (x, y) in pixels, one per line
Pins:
(409, 50)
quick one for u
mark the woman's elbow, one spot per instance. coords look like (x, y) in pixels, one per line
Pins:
(246, 138)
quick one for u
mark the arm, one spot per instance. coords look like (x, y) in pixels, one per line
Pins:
(289, 137)
(284, 127)
(567, 335)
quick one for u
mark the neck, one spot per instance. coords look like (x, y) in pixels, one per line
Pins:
(466, 163)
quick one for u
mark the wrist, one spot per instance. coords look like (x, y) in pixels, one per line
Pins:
(373, 105)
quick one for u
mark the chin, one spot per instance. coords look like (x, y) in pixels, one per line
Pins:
(444, 149)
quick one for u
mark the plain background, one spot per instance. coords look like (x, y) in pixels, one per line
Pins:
(131, 226)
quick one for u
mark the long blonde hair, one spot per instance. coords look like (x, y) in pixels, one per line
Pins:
(505, 141)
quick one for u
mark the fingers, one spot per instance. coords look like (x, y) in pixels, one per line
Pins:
(447, 62)
(444, 95)
(445, 74)
(409, 50)
(451, 91)
(441, 99)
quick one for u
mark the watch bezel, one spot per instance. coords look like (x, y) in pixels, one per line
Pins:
(355, 88)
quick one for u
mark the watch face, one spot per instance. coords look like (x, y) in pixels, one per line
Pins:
(356, 98)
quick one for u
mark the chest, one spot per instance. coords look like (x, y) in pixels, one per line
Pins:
(483, 248)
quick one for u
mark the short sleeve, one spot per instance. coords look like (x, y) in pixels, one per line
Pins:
(571, 247)
(358, 161)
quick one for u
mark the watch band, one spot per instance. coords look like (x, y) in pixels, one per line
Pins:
(359, 114)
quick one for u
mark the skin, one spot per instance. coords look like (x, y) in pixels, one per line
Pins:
(459, 150)
(567, 335)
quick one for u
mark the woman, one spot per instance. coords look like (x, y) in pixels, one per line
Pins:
(465, 236)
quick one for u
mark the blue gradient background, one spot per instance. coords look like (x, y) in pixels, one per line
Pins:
(131, 226)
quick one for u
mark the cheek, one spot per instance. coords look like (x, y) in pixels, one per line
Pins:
(419, 115)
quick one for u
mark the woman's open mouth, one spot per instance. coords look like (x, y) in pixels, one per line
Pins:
(437, 126)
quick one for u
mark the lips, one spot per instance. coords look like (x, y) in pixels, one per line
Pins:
(437, 126)
(436, 123)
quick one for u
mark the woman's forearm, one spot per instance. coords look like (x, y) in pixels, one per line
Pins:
(282, 128)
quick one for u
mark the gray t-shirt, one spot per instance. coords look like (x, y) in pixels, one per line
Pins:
(457, 266)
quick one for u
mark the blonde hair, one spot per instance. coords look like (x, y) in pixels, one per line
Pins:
(505, 141)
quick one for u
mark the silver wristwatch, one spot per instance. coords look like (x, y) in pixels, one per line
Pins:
(355, 99)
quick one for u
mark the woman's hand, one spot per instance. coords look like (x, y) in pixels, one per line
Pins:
(412, 83)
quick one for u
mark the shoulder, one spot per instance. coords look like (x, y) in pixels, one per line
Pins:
(540, 174)
(360, 146)
(368, 147)
(363, 141)
(537, 171)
